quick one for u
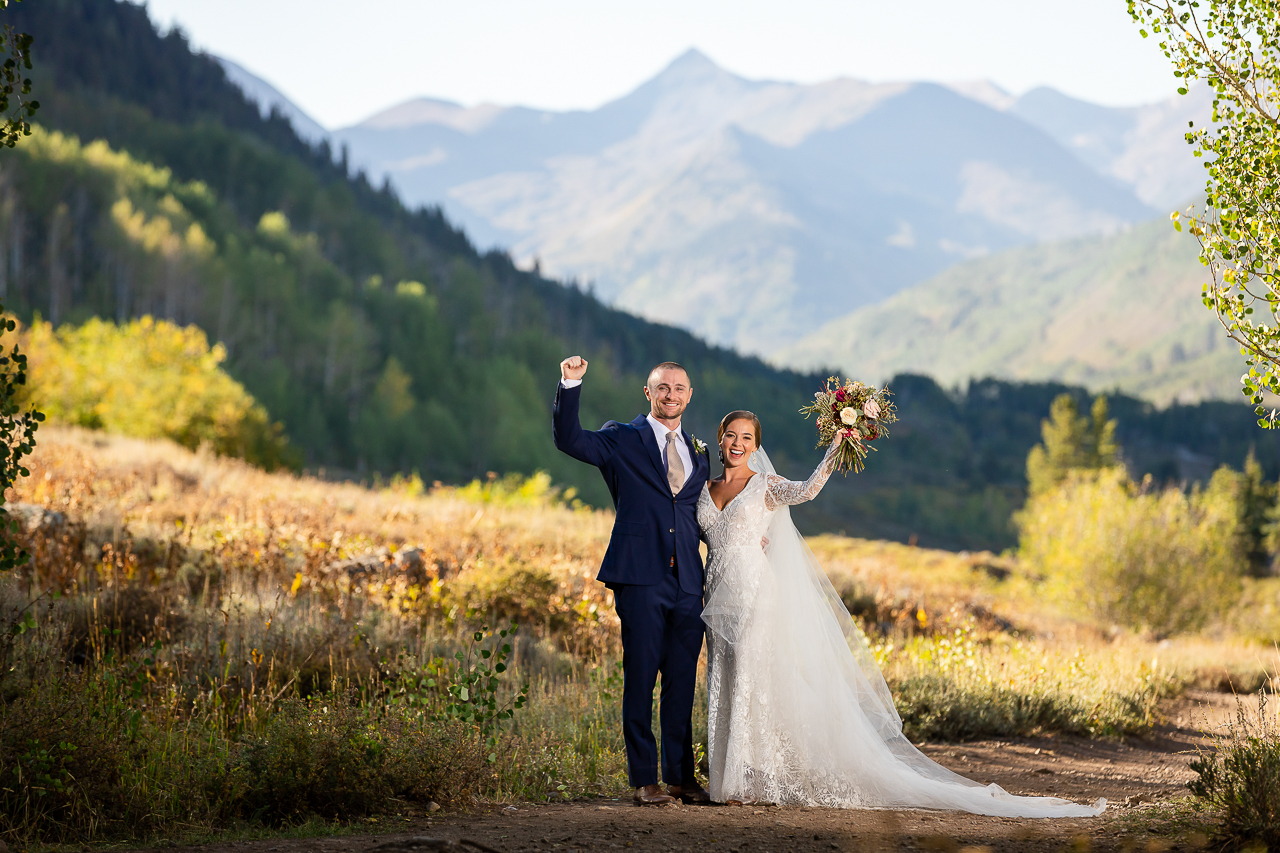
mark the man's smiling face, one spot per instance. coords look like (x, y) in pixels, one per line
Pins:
(668, 393)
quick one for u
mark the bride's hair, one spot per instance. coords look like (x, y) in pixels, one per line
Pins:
(739, 415)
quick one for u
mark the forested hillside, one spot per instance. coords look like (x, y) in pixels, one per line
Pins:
(1121, 311)
(431, 361)
(377, 335)
(384, 342)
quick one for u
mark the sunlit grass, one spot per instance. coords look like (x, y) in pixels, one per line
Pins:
(963, 683)
(199, 597)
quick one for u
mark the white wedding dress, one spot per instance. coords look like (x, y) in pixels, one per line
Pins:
(799, 711)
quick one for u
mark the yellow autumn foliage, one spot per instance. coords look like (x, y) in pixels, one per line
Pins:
(150, 379)
(1125, 553)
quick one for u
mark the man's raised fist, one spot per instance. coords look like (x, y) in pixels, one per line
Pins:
(573, 367)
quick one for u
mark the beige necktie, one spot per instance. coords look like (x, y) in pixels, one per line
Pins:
(675, 466)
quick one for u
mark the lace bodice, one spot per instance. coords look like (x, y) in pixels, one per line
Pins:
(745, 518)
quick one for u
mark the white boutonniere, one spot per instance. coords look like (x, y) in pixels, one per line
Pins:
(698, 444)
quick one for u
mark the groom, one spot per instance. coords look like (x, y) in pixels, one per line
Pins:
(653, 566)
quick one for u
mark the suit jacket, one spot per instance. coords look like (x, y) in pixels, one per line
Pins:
(651, 524)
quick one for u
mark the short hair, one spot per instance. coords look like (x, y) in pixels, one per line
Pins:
(667, 365)
(739, 415)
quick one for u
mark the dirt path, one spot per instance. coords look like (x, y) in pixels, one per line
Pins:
(1139, 778)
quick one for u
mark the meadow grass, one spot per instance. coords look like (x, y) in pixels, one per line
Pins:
(1239, 778)
(259, 649)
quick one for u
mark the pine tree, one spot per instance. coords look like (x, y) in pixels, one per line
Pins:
(1071, 442)
(1105, 450)
(1257, 505)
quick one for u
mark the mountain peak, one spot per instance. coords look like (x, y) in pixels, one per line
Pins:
(692, 59)
(691, 68)
(418, 111)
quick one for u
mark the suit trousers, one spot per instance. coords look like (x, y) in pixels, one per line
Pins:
(662, 632)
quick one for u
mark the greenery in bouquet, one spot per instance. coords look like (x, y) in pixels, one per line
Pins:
(852, 415)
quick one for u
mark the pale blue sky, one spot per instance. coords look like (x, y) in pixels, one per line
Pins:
(342, 61)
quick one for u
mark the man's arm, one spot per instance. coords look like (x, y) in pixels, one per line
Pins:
(594, 448)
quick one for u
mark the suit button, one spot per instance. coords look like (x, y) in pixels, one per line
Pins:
(672, 530)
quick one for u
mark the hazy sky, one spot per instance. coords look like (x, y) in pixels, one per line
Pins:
(342, 61)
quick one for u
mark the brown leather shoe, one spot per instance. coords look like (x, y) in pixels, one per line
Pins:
(691, 795)
(651, 795)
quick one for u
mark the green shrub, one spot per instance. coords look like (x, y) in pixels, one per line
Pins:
(436, 761)
(80, 760)
(959, 684)
(513, 591)
(937, 707)
(322, 756)
(468, 687)
(142, 739)
(515, 490)
(342, 757)
(1240, 778)
(1166, 561)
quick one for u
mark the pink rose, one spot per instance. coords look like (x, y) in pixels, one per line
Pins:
(871, 409)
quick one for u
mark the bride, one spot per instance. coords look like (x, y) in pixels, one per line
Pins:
(799, 712)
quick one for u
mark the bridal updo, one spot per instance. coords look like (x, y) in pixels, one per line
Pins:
(739, 415)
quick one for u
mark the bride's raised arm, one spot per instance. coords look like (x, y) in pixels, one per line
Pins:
(781, 491)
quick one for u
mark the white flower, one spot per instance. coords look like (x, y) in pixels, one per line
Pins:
(817, 395)
(849, 415)
(871, 409)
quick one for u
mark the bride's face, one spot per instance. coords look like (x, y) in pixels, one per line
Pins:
(738, 443)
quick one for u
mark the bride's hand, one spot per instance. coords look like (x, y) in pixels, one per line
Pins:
(764, 542)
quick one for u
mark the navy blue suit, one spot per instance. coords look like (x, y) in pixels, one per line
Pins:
(659, 606)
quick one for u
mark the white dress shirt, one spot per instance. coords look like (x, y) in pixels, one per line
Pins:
(659, 435)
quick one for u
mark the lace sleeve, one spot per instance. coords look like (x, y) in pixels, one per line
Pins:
(782, 492)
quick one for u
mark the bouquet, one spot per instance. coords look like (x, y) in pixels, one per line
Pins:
(852, 415)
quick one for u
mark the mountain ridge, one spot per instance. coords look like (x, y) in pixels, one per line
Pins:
(269, 98)
(635, 198)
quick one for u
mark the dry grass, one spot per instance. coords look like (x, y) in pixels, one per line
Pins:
(201, 596)
(152, 512)
(155, 513)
